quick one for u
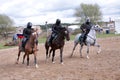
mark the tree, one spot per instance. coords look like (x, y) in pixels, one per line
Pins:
(88, 10)
(5, 24)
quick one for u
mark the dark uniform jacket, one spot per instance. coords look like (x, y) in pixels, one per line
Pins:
(56, 28)
(27, 32)
(86, 28)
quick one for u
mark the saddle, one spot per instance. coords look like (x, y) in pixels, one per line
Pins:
(52, 38)
(22, 47)
(82, 39)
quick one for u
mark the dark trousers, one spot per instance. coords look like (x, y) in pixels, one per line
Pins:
(24, 41)
(53, 35)
(84, 35)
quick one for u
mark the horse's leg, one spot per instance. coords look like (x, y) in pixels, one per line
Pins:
(47, 49)
(81, 47)
(24, 58)
(61, 55)
(35, 59)
(99, 48)
(18, 57)
(88, 45)
(27, 59)
(75, 44)
(53, 55)
(50, 52)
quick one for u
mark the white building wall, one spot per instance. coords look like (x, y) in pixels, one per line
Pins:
(117, 26)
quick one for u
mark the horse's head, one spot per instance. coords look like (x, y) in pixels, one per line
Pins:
(96, 28)
(64, 33)
(33, 37)
(67, 35)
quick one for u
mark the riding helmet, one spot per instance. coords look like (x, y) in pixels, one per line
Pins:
(88, 20)
(29, 25)
(58, 22)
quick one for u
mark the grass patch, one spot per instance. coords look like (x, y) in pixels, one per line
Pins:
(72, 37)
(107, 35)
(43, 39)
(5, 47)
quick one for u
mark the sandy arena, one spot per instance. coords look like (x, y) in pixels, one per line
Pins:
(103, 66)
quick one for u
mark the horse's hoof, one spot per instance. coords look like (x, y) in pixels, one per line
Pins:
(88, 57)
(62, 63)
(53, 62)
(36, 66)
(99, 52)
(16, 63)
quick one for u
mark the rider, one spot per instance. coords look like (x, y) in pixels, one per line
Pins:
(85, 27)
(56, 28)
(26, 33)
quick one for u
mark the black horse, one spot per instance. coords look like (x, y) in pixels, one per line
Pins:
(57, 43)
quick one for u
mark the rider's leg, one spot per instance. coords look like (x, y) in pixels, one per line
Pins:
(85, 35)
(50, 40)
(24, 42)
(82, 38)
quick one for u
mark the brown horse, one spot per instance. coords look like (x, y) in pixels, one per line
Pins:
(57, 43)
(30, 48)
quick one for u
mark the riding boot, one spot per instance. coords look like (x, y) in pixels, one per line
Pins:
(82, 38)
(24, 43)
(50, 41)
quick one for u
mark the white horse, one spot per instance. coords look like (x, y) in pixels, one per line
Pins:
(90, 41)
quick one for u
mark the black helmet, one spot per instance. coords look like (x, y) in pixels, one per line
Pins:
(29, 25)
(58, 22)
(87, 20)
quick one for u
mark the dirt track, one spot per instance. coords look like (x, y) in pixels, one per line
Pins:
(103, 66)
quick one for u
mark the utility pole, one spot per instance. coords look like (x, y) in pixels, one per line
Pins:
(46, 28)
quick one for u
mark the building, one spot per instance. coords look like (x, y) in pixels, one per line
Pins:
(117, 26)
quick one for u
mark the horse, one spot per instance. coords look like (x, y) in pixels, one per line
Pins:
(30, 48)
(57, 43)
(90, 41)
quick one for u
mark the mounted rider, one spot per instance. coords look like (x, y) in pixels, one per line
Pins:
(85, 28)
(26, 33)
(56, 29)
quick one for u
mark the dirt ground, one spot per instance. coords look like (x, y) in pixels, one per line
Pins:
(103, 66)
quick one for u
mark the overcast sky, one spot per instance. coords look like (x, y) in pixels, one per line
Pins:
(40, 11)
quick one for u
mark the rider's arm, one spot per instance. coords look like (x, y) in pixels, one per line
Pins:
(24, 32)
(54, 29)
(82, 28)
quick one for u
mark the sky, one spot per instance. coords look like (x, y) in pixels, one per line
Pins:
(40, 11)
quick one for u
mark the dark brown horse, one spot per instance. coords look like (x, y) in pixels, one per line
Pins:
(30, 48)
(57, 43)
